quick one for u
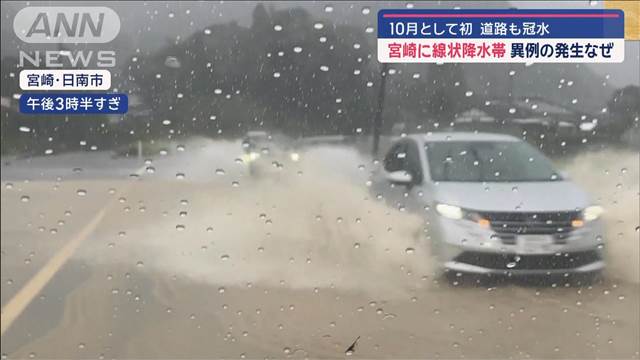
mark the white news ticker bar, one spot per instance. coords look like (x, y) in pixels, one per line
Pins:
(617, 52)
(58, 79)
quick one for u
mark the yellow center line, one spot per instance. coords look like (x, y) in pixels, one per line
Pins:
(12, 310)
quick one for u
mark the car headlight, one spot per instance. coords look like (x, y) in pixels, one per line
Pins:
(591, 213)
(252, 156)
(294, 156)
(450, 211)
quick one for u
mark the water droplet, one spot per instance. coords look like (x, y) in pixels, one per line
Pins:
(318, 25)
(328, 8)
(409, 250)
(224, 257)
(277, 28)
(366, 10)
(25, 198)
(81, 192)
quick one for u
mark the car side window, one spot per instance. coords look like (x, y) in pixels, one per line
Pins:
(396, 158)
(414, 166)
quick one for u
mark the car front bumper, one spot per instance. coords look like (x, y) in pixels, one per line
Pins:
(463, 267)
(465, 247)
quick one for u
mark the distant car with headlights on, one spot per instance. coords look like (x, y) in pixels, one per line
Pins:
(493, 204)
(266, 153)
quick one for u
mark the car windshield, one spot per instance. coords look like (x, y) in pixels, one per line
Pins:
(247, 179)
(485, 161)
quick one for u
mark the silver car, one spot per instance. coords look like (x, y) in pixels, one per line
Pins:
(493, 204)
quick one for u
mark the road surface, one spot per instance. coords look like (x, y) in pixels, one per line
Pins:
(185, 256)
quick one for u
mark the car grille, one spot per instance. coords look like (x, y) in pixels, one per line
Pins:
(522, 223)
(529, 262)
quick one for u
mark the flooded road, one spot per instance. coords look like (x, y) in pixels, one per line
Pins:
(193, 258)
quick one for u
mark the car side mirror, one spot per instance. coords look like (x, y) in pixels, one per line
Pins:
(400, 177)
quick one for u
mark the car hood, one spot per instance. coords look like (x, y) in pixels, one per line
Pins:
(513, 196)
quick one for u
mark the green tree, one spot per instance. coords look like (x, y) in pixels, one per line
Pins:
(624, 108)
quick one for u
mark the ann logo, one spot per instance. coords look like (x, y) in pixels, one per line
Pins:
(59, 24)
(63, 27)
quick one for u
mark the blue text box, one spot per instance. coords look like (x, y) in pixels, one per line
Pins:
(74, 103)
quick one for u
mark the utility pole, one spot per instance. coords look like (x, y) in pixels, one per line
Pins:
(377, 122)
(510, 83)
(511, 75)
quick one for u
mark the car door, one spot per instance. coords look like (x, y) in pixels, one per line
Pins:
(402, 156)
(420, 195)
(414, 194)
(382, 188)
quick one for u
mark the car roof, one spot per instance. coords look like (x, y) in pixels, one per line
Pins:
(461, 136)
